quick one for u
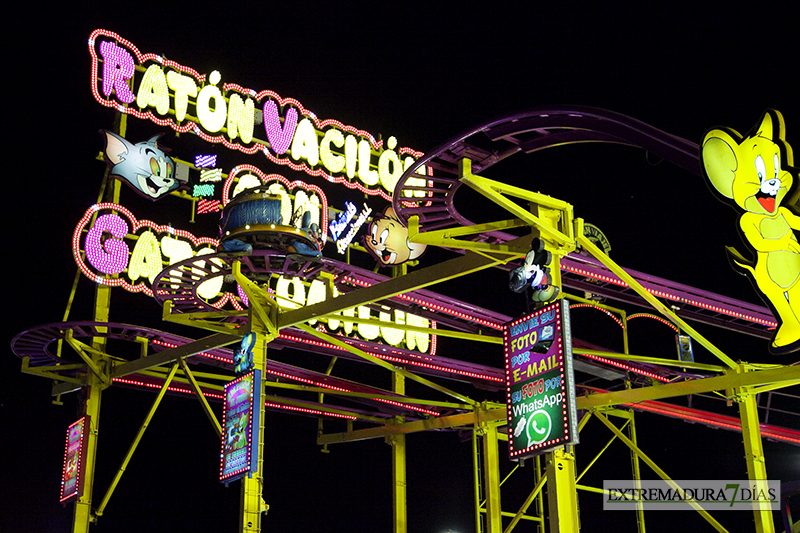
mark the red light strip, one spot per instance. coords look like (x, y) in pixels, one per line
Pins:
(715, 420)
(648, 315)
(435, 307)
(624, 366)
(609, 313)
(310, 411)
(669, 296)
(395, 359)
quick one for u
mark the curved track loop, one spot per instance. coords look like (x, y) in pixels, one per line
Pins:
(430, 196)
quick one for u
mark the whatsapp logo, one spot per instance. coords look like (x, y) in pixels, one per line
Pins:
(539, 427)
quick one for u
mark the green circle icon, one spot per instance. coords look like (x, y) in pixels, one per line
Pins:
(539, 427)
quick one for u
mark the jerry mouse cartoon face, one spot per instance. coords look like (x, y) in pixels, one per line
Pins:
(387, 240)
(748, 170)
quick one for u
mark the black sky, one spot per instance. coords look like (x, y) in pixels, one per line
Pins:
(422, 76)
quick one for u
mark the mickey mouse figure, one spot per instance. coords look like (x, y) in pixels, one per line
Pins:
(535, 273)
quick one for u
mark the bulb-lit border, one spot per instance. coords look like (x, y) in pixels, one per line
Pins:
(251, 448)
(568, 420)
(79, 454)
(258, 97)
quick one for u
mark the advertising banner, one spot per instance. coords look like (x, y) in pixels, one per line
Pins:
(240, 426)
(540, 386)
(74, 454)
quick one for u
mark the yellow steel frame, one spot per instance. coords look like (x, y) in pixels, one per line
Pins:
(552, 220)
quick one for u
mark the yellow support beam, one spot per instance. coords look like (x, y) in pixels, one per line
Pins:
(388, 366)
(476, 337)
(253, 505)
(663, 475)
(730, 380)
(399, 479)
(468, 263)
(562, 496)
(649, 298)
(491, 478)
(121, 470)
(754, 456)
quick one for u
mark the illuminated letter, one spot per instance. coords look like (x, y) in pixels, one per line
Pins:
(369, 177)
(367, 331)
(153, 90)
(111, 255)
(298, 297)
(279, 138)
(351, 155)
(146, 258)
(389, 166)
(393, 336)
(209, 289)
(334, 163)
(316, 294)
(118, 68)
(278, 189)
(175, 250)
(303, 203)
(212, 121)
(414, 339)
(241, 118)
(184, 87)
(414, 182)
(304, 144)
(348, 326)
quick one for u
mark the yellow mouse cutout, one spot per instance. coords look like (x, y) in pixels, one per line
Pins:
(756, 172)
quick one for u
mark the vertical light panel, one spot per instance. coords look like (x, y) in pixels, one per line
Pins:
(238, 455)
(74, 455)
(540, 385)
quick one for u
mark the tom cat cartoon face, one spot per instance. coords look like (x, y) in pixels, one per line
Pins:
(144, 166)
(387, 240)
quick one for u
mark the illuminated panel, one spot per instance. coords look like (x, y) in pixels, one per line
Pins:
(540, 386)
(120, 251)
(74, 456)
(225, 113)
(240, 423)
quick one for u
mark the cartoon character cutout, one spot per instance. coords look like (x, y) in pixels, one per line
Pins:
(144, 166)
(756, 172)
(387, 240)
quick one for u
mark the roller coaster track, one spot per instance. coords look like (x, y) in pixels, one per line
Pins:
(427, 190)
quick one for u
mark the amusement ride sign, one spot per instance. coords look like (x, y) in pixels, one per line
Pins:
(540, 386)
(153, 88)
(240, 425)
(74, 456)
(113, 247)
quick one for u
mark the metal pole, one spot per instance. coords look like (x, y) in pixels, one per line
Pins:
(754, 455)
(252, 500)
(399, 481)
(562, 497)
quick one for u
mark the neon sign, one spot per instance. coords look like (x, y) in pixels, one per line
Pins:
(101, 246)
(293, 293)
(169, 94)
(540, 386)
(240, 425)
(74, 457)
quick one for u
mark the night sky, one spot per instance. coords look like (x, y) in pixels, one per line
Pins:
(422, 76)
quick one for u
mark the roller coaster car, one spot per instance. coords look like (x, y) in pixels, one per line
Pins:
(253, 217)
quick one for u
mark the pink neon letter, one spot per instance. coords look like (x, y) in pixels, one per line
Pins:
(117, 69)
(109, 256)
(279, 138)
